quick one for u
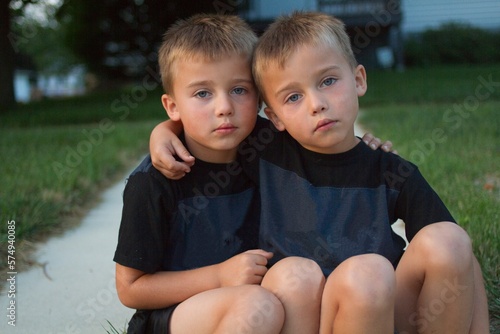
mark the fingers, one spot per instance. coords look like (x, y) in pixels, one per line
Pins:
(166, 163)
(367, 138)
(387, 146)
(376, 143)
(165, 146)
(174, 170)
(181, 151)
(267, 255)
(372, 141)
(261, 258)
(259, 274)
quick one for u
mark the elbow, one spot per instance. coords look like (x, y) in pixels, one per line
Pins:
(127, 289)
(125, 296)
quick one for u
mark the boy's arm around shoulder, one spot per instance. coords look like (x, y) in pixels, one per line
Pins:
(140, 290)
(164, 144)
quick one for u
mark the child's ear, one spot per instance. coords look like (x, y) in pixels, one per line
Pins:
(360, 77)
(170, 107)
(274, 118)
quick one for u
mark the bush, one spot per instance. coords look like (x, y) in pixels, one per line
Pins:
(452, 43)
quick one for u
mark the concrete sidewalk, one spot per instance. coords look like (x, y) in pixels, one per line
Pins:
(78, 294)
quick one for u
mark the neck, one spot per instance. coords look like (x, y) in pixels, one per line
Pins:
(210, 155)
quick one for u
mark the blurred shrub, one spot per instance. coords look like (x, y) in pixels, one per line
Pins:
(452, 43)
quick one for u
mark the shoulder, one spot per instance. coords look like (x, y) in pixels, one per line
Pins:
(145, 177)
(397, 171)
(375, 167)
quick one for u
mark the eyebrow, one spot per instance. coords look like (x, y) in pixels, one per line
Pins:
(211, 82)
(329, 68)
(289, 86)
(200, 83)
(295, 83)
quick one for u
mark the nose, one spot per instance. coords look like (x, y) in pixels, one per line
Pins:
(224, 107)
(318, 103)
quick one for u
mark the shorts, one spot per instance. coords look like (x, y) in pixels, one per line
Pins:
(151, 321)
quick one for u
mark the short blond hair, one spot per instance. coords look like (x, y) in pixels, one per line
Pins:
(288, 33)
(204, 36)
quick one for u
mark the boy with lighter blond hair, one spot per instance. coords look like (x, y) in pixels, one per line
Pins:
(306, 71)
(326, 197)
(187, 256)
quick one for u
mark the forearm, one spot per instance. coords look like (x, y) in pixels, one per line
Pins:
(168, 126)
(162, 289)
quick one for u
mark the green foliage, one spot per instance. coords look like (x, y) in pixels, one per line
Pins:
(121, 38)
(453, 43)
(44, 44)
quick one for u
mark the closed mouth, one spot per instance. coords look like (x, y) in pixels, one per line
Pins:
(324, 123)
(225, 127)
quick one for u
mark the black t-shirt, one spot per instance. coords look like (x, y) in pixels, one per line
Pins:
(208, 216)
(329, 207)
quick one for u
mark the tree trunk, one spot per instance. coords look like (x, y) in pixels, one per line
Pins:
(7, 60)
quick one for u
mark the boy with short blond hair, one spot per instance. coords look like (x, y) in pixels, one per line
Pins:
(186, 257)
(328, 198)
(310, 81)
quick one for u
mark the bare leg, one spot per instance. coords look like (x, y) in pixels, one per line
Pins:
(435, 282)
(359, 297)
(298, 283)
(246, 309)
(480, 318)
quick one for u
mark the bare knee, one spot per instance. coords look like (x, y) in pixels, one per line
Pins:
(295, 276)
(257, 310)
(363, 281)
(445, 246)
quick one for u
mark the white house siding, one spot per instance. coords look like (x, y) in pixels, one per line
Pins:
(419, 15)
(22, 88)
(68, 84)
(269, 9)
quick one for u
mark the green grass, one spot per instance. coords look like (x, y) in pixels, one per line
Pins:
(57, 156)
(441, 120)
(112, 329)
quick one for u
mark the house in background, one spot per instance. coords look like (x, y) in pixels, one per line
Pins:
(378, 27)
(24, 77)
(374, 25)
(424, 14)
(30, 85)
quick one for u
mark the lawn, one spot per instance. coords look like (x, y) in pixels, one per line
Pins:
(447, 121)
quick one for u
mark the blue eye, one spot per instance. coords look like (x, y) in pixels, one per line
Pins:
(293, 98)
(202, 94)
(239, 90)
(329, 81)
